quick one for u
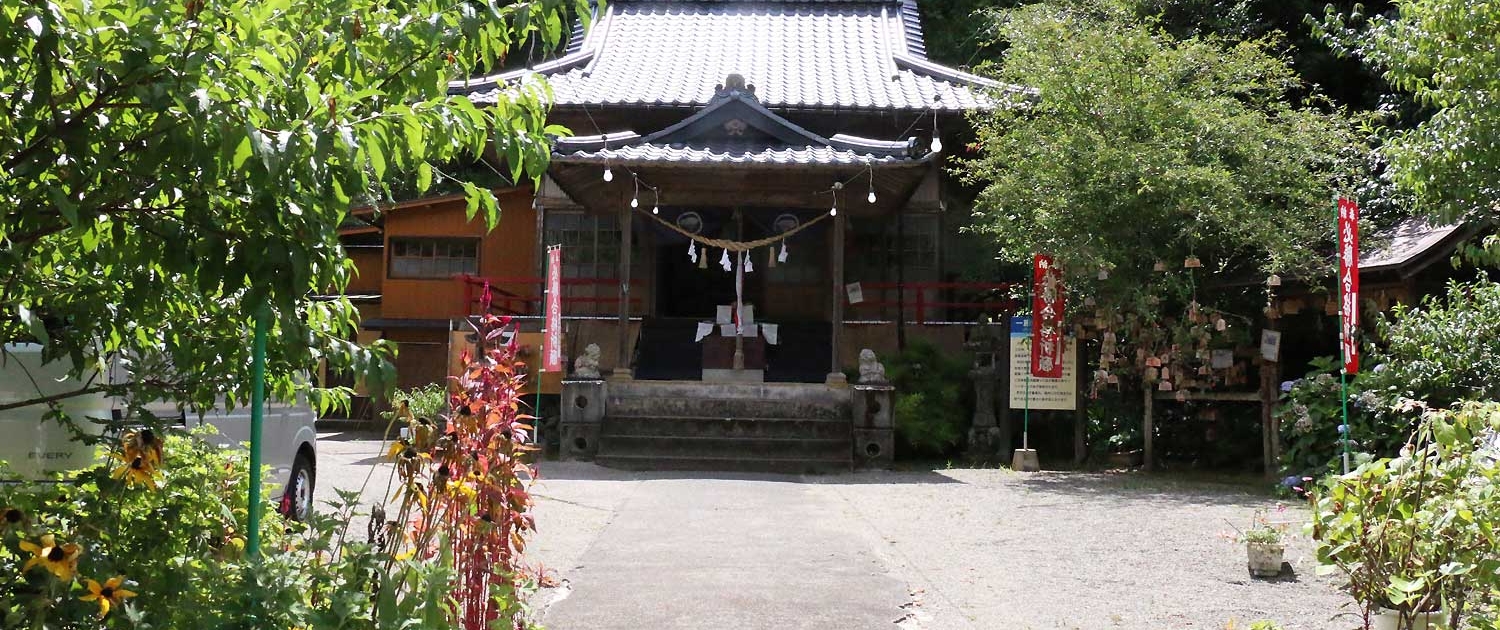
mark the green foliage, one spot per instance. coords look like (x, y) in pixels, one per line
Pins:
(1114, 424)
(933, 393)
(1417, 532)
(1442, 352)
(1138, 147)
(428, 401)
(1443, 53)
(181, 550)
(171, 167)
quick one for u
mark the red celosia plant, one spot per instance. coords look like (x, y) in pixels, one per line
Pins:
(464, 492)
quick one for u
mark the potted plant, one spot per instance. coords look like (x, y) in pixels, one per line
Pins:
(1414, 534)
(1263, 545)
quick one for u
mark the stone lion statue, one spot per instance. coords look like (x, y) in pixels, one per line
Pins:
(871, 372)
(587, 365)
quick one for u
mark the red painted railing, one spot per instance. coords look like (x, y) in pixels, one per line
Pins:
(509, 303)
(984, 297)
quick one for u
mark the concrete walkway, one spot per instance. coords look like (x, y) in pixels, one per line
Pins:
(748, 551)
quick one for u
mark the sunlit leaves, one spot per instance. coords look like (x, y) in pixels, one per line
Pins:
(170, 166)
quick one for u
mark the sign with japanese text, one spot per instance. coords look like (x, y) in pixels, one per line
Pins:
(1039, 393)
(1349, 284)
(1046, 319)
(552, 340)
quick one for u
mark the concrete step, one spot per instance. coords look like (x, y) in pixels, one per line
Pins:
(726, 427)
(758, 448)
(726, 408)
(803, 392)
(783, 465)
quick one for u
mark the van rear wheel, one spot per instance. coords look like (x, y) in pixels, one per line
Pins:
(299, 491)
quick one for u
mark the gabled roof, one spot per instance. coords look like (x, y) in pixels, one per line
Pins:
(735, 128)
(1415, 243)
(800, 54)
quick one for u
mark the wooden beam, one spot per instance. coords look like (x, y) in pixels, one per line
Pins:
(622, 362)
(1146, 427)
(836, 371)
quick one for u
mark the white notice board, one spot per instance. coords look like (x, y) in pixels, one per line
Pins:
(1046, 393)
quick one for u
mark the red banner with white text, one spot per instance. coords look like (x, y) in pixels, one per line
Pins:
(1046, 319)
(552, 340)
(1349, 284)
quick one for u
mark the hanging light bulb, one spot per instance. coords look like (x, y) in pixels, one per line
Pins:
(871, 197)
(834, 211)
(655, 210)
(655, 201)
(635, 197)
(635, 203)
(609, 175)
(937, 144)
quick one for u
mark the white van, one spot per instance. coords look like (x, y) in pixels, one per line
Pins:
(34, 448)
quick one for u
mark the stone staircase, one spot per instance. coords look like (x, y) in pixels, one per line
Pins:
(686, 425)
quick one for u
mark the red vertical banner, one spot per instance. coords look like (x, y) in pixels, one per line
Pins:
(1349, 284)
(552, 340)
(1046, 319)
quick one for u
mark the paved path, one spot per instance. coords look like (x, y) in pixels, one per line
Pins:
(748, 552)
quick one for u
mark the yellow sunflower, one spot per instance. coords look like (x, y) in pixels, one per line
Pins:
(110, 594)
(61, 560)
(136, 471)
(145, 444)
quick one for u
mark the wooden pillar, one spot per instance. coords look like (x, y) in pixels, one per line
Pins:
(1270, 427)
(1003, 368)
(1146, 428)
(835, 371)
(622, 362)
(1080, 409)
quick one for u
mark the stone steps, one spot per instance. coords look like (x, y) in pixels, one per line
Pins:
(780, 465)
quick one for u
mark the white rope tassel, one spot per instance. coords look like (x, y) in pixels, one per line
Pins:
(692, 251)
(782, 256)
(724, 261)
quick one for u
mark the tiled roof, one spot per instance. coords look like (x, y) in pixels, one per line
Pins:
(829, 54)
(767, 156)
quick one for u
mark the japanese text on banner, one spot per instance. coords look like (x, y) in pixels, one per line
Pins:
(552, 341)
(1349, 284)
(1047, 319)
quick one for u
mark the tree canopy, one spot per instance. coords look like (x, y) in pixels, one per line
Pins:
(1443, 53)
(171, 167)
(1138, 148)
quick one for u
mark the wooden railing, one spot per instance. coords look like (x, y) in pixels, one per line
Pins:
(992, 298)
(506, 302)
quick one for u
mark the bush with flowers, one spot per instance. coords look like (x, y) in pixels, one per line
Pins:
(155, 538)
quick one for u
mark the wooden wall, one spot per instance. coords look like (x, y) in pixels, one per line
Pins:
(506, 251)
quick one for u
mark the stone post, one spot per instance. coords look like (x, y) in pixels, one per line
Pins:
(874, 431)
(984, 435)
(583, 405)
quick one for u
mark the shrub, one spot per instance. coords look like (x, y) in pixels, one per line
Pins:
(933, 393)
(1416, 532)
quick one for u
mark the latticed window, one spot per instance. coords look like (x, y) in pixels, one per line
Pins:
(877, 243)
(591, 252)
(433, 257)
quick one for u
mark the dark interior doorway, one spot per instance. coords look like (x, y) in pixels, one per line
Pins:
(694, 290)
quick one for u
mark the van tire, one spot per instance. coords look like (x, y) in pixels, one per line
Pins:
(299, 490)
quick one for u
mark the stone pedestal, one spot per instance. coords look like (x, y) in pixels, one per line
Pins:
(583, 403)
(874, 428)
(984, 434)
(1025, 460)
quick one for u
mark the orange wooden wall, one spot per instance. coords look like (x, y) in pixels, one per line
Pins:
(506, 251)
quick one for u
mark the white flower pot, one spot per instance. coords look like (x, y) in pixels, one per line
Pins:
(1386, 619)
(1265, 558)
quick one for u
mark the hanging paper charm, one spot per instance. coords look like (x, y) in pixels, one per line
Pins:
(745, 260)
(782, 256)
(692, 251)
(724, 261)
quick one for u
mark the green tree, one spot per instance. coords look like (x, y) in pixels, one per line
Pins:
(1138, 148)
(1444, 54)
(169, 167)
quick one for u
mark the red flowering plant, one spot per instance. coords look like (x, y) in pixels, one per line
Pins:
(464, 494)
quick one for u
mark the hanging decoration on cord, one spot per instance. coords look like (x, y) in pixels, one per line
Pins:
(724, 261)
(692, 251)
(782, 256)
(745, 261)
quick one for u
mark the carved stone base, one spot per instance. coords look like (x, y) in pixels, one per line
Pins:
(874, 448)
(985, 445)
(580, 442)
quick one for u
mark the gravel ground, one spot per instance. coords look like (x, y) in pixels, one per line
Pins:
(974, 548)
(997, 549)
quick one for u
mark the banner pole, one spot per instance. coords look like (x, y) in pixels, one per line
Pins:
(1344, 396)
(546, 289)
(1026, 415)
